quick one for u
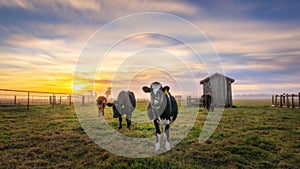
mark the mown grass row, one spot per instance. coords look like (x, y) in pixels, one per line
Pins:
(253, 135)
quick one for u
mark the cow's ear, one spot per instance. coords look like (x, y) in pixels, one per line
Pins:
(146, 89)
(109, 104)
(166, 89)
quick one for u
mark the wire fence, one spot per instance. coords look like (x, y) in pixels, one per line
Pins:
(27, 98)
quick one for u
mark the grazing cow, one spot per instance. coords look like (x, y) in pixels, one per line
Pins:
(207, 102)
(125, 104)
(101, 103)
(162, 109)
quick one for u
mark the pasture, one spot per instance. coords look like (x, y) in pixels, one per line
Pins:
(253, 135)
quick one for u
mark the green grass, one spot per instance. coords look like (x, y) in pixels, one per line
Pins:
(253, 135)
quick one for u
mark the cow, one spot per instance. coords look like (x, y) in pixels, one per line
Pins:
(207, 102)
(101, 103)
(125, 104)
(162, 109)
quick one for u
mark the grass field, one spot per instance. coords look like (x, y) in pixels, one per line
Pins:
(253, 135)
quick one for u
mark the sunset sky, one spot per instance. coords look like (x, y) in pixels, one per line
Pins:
(258, 42)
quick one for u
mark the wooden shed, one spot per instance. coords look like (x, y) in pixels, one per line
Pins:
(219, 86)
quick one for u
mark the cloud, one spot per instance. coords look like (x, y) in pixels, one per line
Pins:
(100, 10)
(178, 7)
(34, 63)
(257, 88)
(251, 50)
(254, 45)
(35, 48)
(36, 5)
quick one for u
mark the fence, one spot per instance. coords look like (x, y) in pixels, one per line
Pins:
(26, 98)
(193, 101)
(286, 100)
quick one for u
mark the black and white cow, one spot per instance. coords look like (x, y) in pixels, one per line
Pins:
(162, 109)
(125, 104)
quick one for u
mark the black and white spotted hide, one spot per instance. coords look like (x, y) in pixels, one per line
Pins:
(162, 109)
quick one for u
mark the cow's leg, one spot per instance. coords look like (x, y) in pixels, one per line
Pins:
(211, 106)
(100, 111)
(166, 135)
(120, 121)
(128, 120)
(157, 144)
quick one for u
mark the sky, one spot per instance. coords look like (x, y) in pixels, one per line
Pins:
(41, 42)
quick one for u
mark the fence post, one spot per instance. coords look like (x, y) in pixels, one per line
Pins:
(50, 102)
(28, 95)
(283, 100)
(70, 99)
(15, 100)
(272, 100)
(293, 104)
(276, 100)
(280, 104)
(287, 101)
(82, 99)
(187, 100)
(299, 100)
(53, 100)
(59, 99)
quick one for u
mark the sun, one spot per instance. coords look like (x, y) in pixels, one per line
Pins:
(77, 87)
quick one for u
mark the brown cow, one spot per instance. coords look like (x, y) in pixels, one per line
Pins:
(101, 103)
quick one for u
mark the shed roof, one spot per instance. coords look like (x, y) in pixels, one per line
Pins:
(216, 75)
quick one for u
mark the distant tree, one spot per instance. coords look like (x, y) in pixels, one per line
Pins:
(108, 92)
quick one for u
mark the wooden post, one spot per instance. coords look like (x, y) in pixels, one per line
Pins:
(293, 103)
(70, 102)
(82, 99)
(283, 99)
(280, 104)
(50, 102)
(276, 100)
(59, 99)
(299, 100)
(287, 101)
(15, 100)
(272, 100)
(187, 100)
(53, 100)
(28, 95)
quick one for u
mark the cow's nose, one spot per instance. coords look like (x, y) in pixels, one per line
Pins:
(155, 102)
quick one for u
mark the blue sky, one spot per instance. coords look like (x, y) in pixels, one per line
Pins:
(257, 41)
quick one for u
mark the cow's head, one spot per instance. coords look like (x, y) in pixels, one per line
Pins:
(157, 95)
(122, 105)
